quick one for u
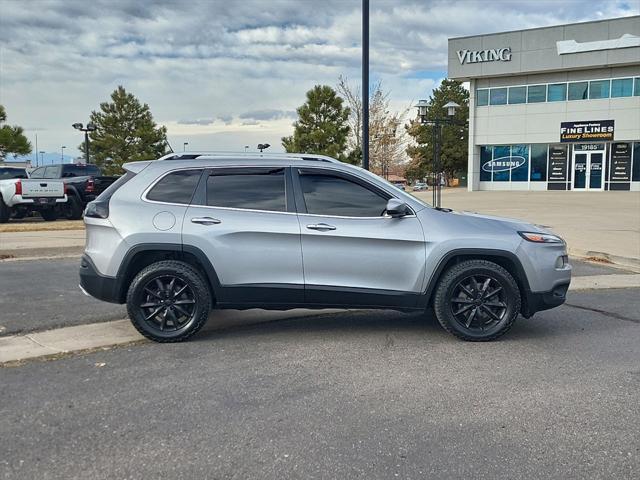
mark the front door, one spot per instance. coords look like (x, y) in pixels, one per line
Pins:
(353, 253)
(588, 168)
(245, 223)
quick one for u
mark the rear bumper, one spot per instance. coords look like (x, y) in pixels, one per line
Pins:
(538, 301)
(98, 286)
(20, 201)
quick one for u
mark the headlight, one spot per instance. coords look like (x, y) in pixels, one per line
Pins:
(540, 237)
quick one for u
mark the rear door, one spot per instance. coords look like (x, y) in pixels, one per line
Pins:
(244, 220)
(353, 253)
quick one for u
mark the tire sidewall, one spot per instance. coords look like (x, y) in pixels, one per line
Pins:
(512, 298)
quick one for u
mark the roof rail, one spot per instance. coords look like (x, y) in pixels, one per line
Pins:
(297, 156)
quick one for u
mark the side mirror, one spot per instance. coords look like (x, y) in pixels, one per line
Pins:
(397, 208)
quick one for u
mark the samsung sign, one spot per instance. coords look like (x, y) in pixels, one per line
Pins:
(503, 164)
(480, 56)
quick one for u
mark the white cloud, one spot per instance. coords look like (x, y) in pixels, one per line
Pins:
(223, 74)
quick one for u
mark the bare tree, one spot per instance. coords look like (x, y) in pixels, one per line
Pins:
(387, 135)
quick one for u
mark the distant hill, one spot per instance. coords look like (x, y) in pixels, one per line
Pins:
(47, 158)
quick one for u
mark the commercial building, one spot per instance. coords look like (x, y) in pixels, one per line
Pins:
(553, 108)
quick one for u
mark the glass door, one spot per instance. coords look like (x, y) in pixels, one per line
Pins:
(580, 171)
(595, 170)
(587, 170)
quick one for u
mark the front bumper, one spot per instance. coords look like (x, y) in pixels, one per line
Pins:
(538, 301)
(98, 286)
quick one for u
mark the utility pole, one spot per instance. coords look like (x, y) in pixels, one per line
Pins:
(365, 84)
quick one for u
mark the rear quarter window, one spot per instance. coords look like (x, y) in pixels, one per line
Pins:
(176, 187)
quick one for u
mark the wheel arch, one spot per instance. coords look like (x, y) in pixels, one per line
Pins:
(507, 260)
(144, 255)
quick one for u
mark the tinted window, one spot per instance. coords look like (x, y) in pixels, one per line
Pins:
(7, 173)
(498, 96)
(578, 90)
(501, 154)
(517, 94)
(329, 195)
(37, 173)
(177, 187)
(51, 172)
(622, 87)
(80, 170)
(482, 97)
(599, 89)
(255, 190)
(636, 162)
(111, 189)
(636, 87)
(520, 154)
(485, 163)
(537, 94)
(539, 162)
(557, 92)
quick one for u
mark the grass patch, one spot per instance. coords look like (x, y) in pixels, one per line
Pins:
(40, 226)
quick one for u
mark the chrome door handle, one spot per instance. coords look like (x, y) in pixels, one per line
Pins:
(206, 221)
(323, 227)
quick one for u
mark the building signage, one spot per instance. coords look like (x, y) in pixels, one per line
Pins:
(481, 56)
(557, 168)
(503, 164)
(591, 130)
(620, 166)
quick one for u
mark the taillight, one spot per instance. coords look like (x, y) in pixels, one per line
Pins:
(91, 186)
(18, 187)
(66, 188)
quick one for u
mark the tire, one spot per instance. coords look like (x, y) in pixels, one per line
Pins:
(154, 310)
(19, 214)
(5, 212)
(73, 210)
(477, 301)
(49, 214)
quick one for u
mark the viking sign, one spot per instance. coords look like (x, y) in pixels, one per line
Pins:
(503, 164)
(480, 56)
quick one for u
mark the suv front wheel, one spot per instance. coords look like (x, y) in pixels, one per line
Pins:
(168, 301)
(477, 300)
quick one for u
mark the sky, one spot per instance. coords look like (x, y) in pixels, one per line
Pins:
(222, 74)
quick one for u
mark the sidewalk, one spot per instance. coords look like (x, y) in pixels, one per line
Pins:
(594, 224)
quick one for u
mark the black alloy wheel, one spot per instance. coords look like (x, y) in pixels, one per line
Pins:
(168, 303)
(478, 302)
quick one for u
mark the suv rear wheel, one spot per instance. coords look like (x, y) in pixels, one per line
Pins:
(168, 301)
(477, 300)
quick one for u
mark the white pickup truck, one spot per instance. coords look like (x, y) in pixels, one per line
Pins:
(19, 195)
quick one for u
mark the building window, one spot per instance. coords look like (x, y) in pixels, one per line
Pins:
(557, 92)
(501, 155)
(635, 176)
(498, 96)
(482, 97)
(622, 87)
(539, 162)
(537, 94)
(599, 89)
(519, 163)
(578, 90)
(485, 161)
(636, 88)
(517, 95)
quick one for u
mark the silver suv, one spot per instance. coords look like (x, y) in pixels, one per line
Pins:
(176, 237)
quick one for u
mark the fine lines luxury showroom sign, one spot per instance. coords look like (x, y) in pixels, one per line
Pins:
(591, 130)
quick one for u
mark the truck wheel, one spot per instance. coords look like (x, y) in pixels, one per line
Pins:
(73, 210)
(49, 214)
(5, 212)
(477, 300)
(168, 301)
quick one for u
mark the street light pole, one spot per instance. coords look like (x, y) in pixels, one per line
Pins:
(90, 128)
(436, 140)
(184, 146)
(365, 84)
(62, 154)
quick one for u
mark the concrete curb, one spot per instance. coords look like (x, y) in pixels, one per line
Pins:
(51, 343)
(616, 260)
(40, 253)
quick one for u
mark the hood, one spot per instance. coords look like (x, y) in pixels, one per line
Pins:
(506, 223)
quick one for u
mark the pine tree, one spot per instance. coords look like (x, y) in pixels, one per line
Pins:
(454, 141)
(322, 126)
(12, 139)
(125, 132)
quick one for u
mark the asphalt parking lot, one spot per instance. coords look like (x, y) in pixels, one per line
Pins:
(355, 394)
